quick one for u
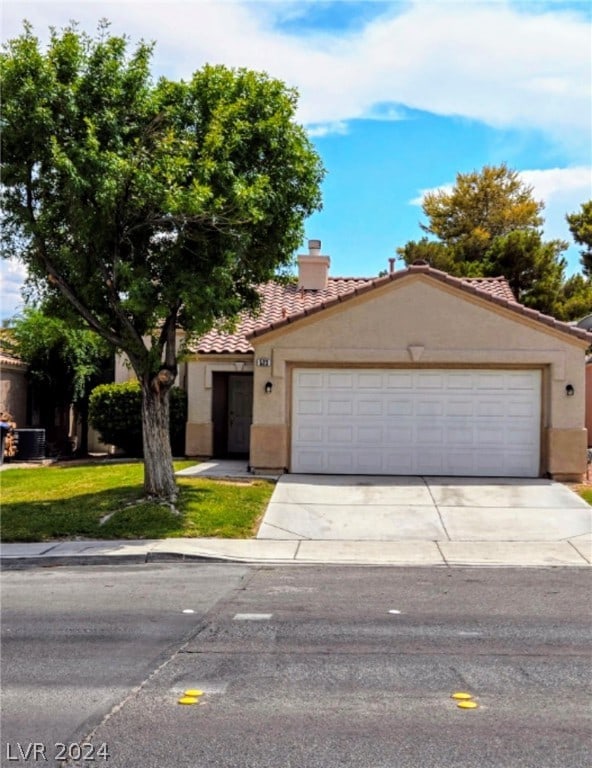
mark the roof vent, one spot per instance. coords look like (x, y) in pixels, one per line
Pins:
(314, 247)
(420, 263)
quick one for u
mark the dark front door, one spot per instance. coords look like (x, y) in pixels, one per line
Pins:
(240, 412)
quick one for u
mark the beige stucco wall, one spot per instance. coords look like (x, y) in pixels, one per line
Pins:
(445, 327)
(13, 393)
(589, 402)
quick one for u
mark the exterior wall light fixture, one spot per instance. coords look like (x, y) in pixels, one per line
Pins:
(269, 387)
(569, 390)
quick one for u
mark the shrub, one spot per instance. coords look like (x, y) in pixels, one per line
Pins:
(115, 411)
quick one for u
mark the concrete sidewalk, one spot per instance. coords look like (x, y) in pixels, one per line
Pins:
(378, 521)
(573, 552)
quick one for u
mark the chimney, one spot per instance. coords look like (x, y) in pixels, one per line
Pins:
(313, 269)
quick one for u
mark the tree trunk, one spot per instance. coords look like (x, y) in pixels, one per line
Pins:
(159, 477)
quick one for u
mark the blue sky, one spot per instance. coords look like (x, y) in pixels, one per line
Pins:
(398, 98)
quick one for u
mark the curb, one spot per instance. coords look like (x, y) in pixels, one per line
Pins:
(55, 561)
(49, 561)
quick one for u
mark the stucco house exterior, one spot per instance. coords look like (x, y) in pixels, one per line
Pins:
(14, 387)
(589, 400)
(416, 372)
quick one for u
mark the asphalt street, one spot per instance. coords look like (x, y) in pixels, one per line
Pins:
(300, 667)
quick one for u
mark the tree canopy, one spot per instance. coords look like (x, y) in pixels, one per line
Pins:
(488, 224)
(149, 206)
(481, 206)
(580, 226)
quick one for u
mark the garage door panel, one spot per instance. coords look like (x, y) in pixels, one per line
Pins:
(310, 407)
(519, 381)
(460, 381)
(309, 460)
(429, 408)
(399, 407)
(309, 434)
(340, 407)
(425, 380)
(459, 435)
(429, 435)
(469, 422)
(461, 408)
(370, 407)
(369, 381)
(399, 380)
(340, 381)
(370, 436)
(368, 460)
(310, 380)
(493, 407)
(521, 409)
(398, 463)
(399, 435)
(431, 463)
(341, 434)
(491, 381)
(340, 462)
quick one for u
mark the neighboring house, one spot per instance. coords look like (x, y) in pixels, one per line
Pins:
(413, 373)
(586, 323)
(13, 388)
(589, 400)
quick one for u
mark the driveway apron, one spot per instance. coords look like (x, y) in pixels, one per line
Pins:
(375, 508)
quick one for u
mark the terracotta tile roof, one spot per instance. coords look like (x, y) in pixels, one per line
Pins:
(9, 361)
(278, 303)
(283, 304)
(494, 286)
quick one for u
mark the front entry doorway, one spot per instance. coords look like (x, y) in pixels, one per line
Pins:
(232, 413)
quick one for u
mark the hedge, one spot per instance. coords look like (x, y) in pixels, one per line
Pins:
(115, 411)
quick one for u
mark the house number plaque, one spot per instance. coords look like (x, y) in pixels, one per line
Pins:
(263, 362)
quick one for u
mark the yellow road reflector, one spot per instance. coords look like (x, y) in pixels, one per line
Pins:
(194, 692)
(188, 700)
(467, 704)
(462, 696)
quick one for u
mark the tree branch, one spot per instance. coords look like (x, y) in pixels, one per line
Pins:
(56, 279)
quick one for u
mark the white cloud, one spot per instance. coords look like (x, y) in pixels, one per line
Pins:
(560, 182)
(488, 61)
(12, 276)
(563, 190)
(326, 129)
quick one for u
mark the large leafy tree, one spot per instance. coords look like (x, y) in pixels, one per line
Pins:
(149, 207)
(481, 206)
(580, 226)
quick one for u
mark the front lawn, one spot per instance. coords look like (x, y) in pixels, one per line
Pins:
(66, 501)
(586, 494)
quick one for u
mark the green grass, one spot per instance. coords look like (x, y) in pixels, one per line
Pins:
(64, 502)
(586, 494)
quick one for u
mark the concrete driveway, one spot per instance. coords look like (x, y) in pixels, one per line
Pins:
(363, 508)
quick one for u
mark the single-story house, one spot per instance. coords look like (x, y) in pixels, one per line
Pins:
(416, 372)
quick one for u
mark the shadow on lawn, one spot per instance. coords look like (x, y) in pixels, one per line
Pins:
(126, 516)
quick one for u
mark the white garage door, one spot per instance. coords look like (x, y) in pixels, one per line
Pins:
(416, 422)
